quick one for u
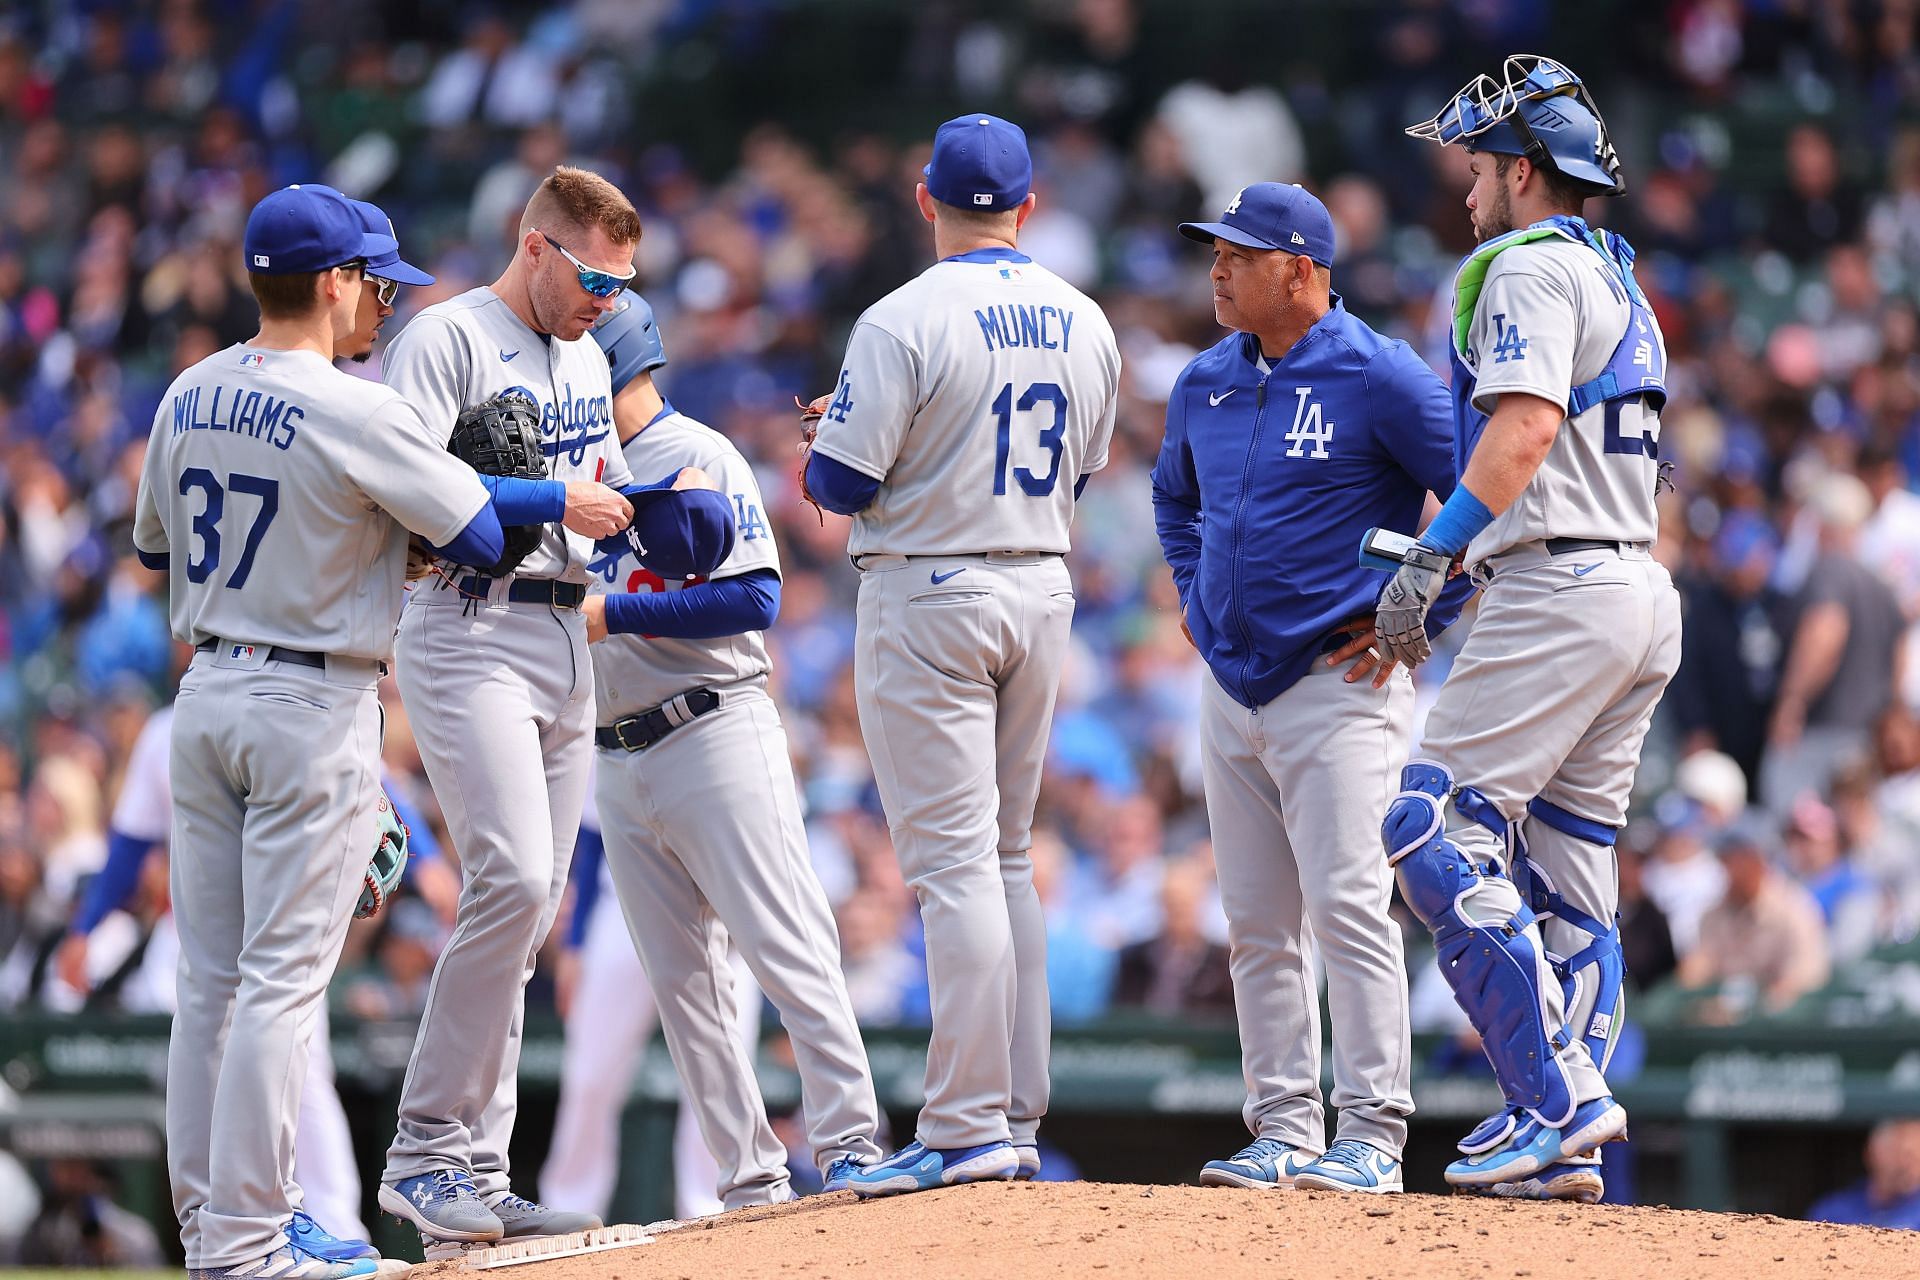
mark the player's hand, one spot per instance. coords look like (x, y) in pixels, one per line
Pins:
(596, 510)
(595, 609)
(1360, 648)
(693, 478)
(70, 962)
(1400, 619)
(1188, 634)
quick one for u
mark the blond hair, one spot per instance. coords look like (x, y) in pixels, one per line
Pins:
(572, 199)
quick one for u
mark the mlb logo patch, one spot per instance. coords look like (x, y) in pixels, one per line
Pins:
(241, 651)
(984, 197)
(260, 260)
(1009, 272)
(253, 360)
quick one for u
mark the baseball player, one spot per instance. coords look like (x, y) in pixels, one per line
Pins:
(493, 669)
(1284, 442)
(701, 815)
(1502, 835)
(274, 494)
(974, 402)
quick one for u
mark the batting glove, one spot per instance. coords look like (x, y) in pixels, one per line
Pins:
(1400, 619)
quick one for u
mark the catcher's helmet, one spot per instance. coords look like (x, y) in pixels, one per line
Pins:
(1541, 111)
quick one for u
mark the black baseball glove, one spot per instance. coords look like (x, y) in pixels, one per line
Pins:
(501, 437)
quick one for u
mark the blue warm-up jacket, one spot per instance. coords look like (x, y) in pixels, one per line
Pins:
(1266, 483)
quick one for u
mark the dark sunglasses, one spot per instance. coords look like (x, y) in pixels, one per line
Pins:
(385, 290)
(601, 284)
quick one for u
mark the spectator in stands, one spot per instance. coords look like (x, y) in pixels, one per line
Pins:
(1889, 1196)
(1839, 673)
(1763, 946)
(1734, 641)
(81, 1226)
(1818, 208)
(1645, 939)
(1683, 878)
(1178, 973)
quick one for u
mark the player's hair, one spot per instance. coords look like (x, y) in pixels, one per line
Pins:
(288, 297)
(1566, 193)
(1000, 225)
(572, 199)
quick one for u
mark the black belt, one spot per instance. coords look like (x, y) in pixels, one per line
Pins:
(561, 595)
(1567, 546)
(299, 657)
(638, 732)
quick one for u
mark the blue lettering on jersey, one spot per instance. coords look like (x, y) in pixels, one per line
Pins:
(1509, 345)
(842, 399)
(571, 424)
(253, 414)
(747, 518)
(1003, 327)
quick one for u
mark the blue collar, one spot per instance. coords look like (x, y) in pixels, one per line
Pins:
(989, 255)
(1250, 343)
(666, 410)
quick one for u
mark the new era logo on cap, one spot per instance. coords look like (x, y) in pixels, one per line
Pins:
(1297, 239)
(1271, 215)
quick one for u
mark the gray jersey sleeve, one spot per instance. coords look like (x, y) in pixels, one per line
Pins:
(149, 532)
(866, 424)
(396, 463)
(428, 364)
(1523, 337)
(753, 546)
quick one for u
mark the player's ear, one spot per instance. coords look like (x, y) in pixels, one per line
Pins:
(923, 200)
(1025, 211)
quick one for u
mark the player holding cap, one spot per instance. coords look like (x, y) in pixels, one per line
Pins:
(700, 814)
(497, 682)
(1507, 815)
(974, 402)
(274, 494)
(1284, 442)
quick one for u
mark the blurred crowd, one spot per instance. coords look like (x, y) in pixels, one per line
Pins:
(1774, 200)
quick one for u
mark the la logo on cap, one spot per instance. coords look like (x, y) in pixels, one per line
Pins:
(1235, 206)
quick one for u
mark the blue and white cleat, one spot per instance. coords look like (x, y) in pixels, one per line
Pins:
(1576, 1178)
(321, 1243)
(443, 1205)
(1352, 1165)
(290, 1262)
(916, 1167)
(839, 1175)
(1029, 1163)
(1265, 1164)
(1533, 1146)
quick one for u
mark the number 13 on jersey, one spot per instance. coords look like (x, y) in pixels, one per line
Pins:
(1052, 438)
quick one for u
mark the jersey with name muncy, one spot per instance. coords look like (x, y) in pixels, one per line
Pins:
(278, 487)
(979, 393)
(468, 349)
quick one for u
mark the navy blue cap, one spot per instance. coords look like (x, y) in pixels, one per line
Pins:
(630, 338)
(681, 533)
(1272, 215)
(308, 228)
(388, 266)
(980, 162)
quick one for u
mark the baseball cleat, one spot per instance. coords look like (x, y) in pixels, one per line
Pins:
(839, 1174)
(1352, 1165)
(322, 1243)
(1533, 1146)
(1029, 1163)
(1265, 1164)
(443, 1205)
(520, 1217)
(289, 1262)
(1576, 1178)
(917, 1167)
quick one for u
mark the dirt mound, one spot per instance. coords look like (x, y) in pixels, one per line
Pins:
(1036, 1230)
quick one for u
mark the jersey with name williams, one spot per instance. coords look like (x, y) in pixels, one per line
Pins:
(635, 673)
(978, 393)
(278, 487)
(471, 348)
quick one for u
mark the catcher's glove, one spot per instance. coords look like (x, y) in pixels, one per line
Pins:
(388, 864)
(501, 437)
(810, 415)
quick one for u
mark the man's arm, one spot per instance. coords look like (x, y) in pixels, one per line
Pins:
(1812, 661)
(1176, 498)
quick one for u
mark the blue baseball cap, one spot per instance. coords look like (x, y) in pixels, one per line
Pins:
(1744, 535)
(630, 338)
(681, 533)
(1272, 215)
(980, 162)
(306, 228)
(388, 266)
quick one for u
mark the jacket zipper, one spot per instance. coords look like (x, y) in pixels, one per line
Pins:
(1239, 562)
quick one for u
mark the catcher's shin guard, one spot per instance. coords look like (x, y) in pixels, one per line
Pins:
(1496, 969)
(1593, 977)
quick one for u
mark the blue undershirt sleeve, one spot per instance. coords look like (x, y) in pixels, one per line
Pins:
(154, 560)
(589, 849)
(481, 542)
(838, 487)
(114, 883)
(703, 611)
(519, 500)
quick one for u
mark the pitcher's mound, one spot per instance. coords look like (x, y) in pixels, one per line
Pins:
(1028, 1231)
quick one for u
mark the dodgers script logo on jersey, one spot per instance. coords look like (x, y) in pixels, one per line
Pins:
(572, 427)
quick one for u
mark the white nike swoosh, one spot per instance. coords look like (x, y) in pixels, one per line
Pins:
(1214, 400)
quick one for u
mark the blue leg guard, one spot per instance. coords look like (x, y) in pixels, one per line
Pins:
(1494, 969)
(1593, 977)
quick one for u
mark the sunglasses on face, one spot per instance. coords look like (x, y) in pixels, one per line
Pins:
(385, 290)
(601, 284)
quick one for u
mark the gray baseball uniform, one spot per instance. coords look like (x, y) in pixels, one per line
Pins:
(977, 394)
(500, 697)
(704, 839)
(278, 488)
(1570, 652)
